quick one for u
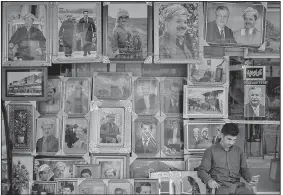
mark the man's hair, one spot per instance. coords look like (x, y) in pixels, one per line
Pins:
(113, 171)
(68, 185)
(150, 124)
(118, 189)
(222, 7)
(85, 11)
(86, 171)
(253, 87)
(230, 129)
(138, 189)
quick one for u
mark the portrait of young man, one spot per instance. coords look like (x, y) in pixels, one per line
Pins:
(255, 101)
(144, 188)
(173, 104)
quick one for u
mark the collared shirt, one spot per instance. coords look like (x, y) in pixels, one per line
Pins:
(221, 29)
(256, 110)
(225, 167)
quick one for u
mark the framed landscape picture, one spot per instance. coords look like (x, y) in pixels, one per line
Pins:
(24, 83)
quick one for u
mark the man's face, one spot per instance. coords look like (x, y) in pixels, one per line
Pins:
(69, 17)
(255, 96)
(205, 134)
(47, 130)
(196, 130)
(145, 90)
(175, 124)
(175, 91)
(28, 22)
(228, 141)
(124, 20)
(85, 14)
(67, 191)
(59, 172)
(109, 174)
(44, 175)
(111, 119)
(222, 18)
(249, 21)
(177, 26)
(145, 190)
(85, 175)
(50, 93)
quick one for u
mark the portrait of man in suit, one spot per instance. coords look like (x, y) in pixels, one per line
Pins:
(147, 143)
(174, 103)
(204, 141)
(217, 31)
(109, 131)
(254, 108)
(173, 136)
(48, 142)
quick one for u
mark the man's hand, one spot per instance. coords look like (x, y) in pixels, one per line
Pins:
(213, 184)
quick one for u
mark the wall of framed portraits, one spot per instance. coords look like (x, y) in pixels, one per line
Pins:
(125, 97)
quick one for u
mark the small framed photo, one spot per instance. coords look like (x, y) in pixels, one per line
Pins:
(24, 83)
(77, 34)
(172, 137)
(133, 44)
(121, 186)
(181, 44)
(53, 103)
(209, 71)
(112, 167)
(171, 92)
(41, 187)
(77, 96)
(48, 135)
(252, 73)
(112, 85)
(26, 34)
(88, 171)
(146, 186)
(226, 23)
(202, 102)
(146, 96)
(111, 127)
(21, 123)
(254, 100)
(67, 186)
(146, 137)
(201, 135)
(92, 186)
(75, 137)
(60, 168)
(87, 69)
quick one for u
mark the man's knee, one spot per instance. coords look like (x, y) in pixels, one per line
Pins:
(222, 191)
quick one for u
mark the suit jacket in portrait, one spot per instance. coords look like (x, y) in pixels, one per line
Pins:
(243, 38)
(213, 34)
(141, 107)
(89, 26)
(249, 112)
(150, 148)
(170, 108)
(52, 144)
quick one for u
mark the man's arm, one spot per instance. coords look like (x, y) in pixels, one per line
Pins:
(204, 168)
(244, 170)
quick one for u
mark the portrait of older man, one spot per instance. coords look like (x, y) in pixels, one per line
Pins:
(29, 40)
(61, 170)
(175, 42)
(204, 141)
(109, 131)
(217, 31)
(45, 173)
(254, 108)
(249, 35)
(48, 142)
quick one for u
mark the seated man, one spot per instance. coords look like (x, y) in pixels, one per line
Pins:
(223, 164)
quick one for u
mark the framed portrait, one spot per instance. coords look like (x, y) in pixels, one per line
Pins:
(48, 135)
(24, 83)
(22, 165)
(146, 186)
(77, 96)
(21, 120)
(254, 73)
(254, 101)
(75, 137)
(171, 90)
(89, 171)
(205, 102)
(172, 137)
(226, 23)
(127, 31)
(177, 32)
(26, 34)
(201, 135)
(41, 187)
(67, 186)
(111, 126)
(121, 186)
(209, 71)
(273, 36)
(112, 85)
(92, 186)
(77, 34)
(146, 96)
(112, 167)
(87, 69)
(60, 168)
(53, 103)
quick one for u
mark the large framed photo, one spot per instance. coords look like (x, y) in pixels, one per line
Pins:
(201, 135)
(77, 32)
(121, 186)
(77, 96)
(21, 119)
(146, 96)
(41, 187)
(127, 30)
(177, 32)
(89, 171)
(92, 186)
(146, 186)
(24, 83)
(112, 167)
(111, 126)
(235, 24)
(26, 34)
(205, 102)
(48, 135)
(67, 186)
(112, 85)
(254, 101)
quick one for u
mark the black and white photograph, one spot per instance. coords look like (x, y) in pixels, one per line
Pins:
(235, 24)
(146, 186)
(254, 101)
(92, 187)
(120, 186)
(177, 32)
(89, 171)
(67, 186)
(191, 184)
(127, 30)
(43, 188)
